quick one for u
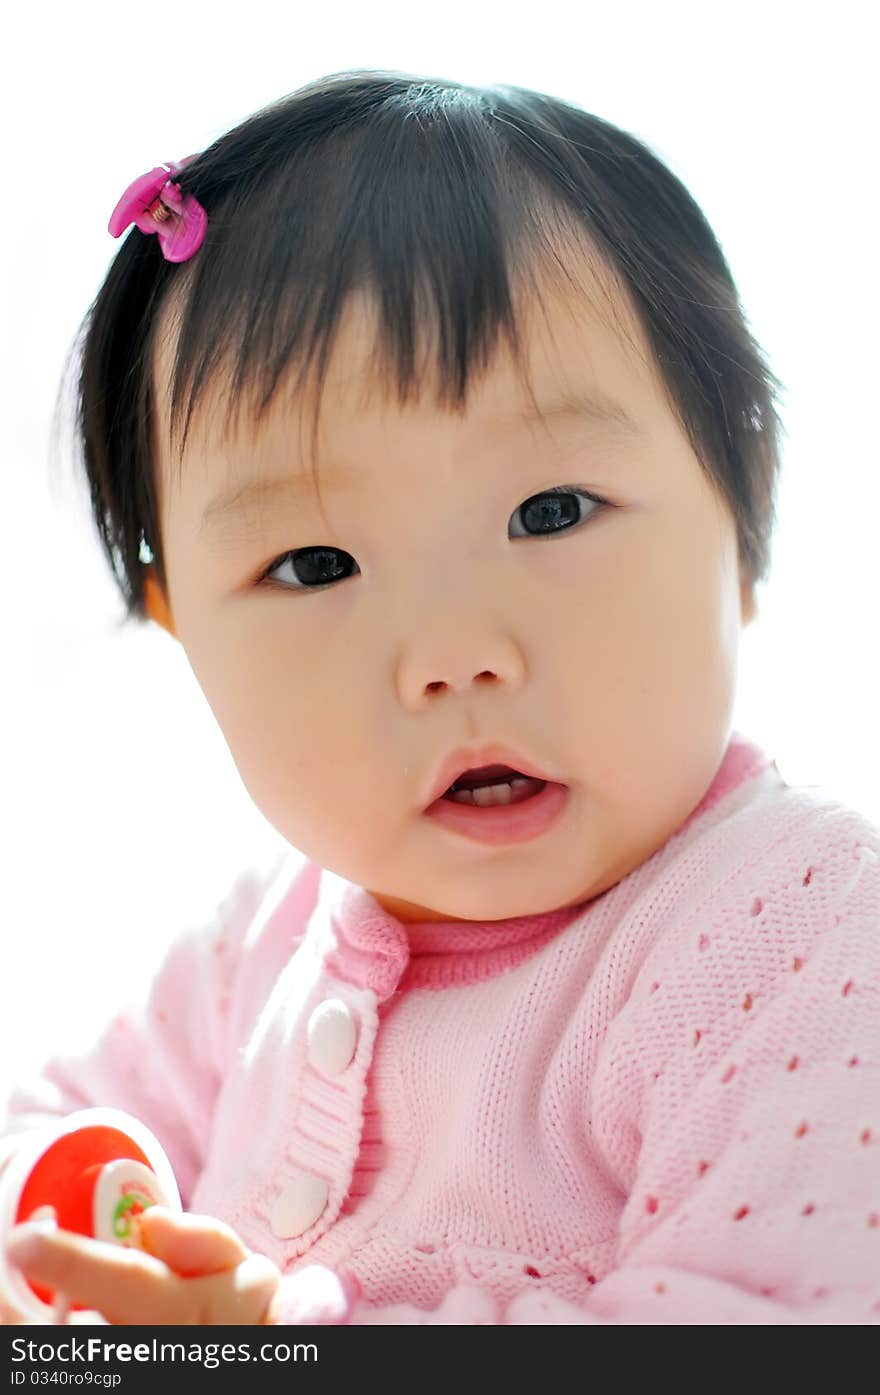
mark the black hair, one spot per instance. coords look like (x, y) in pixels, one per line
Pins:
(439, 199)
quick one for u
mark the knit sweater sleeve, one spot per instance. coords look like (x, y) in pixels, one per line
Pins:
(161, 1056)
(742, 1076)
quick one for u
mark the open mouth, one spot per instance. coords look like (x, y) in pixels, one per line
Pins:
(498, 805)
(493, 785)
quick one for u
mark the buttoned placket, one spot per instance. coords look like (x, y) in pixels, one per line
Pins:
(339, 1032)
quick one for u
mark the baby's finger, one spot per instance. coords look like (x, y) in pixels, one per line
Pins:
(190, 1244)
(237, 1296)
(125, 1285)
(242, 1295)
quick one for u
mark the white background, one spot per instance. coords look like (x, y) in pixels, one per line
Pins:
(124, 816)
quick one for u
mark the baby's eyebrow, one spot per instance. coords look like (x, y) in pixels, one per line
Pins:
(590, 407)
(261, 493)
(586, 404)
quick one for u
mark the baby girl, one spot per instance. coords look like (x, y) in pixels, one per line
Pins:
(562, 1007)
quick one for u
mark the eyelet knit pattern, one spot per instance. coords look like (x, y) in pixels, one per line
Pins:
(660, 1106)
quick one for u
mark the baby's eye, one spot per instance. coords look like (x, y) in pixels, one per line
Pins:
(556, 510)
(552, 511)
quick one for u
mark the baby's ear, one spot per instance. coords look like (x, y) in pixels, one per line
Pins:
(156, 604)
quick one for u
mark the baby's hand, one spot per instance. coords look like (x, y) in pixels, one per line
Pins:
(196, 1271)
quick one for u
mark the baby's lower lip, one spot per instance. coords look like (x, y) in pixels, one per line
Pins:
(502, 823)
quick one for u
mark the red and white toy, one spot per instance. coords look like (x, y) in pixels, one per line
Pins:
(98, 1168)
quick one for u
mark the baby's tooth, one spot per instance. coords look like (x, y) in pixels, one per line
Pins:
(487, 795)
(484, 795)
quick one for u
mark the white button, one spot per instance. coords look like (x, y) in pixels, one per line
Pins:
(332, 1035)
(299, 1205)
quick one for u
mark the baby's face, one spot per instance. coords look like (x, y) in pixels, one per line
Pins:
(606, 653)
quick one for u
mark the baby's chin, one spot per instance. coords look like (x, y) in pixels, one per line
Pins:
(409, 913)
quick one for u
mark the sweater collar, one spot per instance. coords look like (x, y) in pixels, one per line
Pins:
(376, 950)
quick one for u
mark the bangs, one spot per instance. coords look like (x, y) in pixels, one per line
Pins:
(448, 240)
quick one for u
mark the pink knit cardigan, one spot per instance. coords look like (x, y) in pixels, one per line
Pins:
(660, 1106)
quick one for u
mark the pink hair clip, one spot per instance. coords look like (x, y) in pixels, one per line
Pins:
(155, 205)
